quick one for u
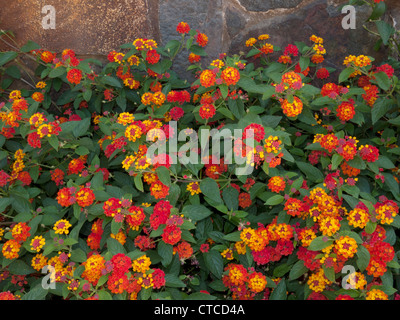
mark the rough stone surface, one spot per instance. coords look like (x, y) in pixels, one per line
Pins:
(205, 16)
(93, 28)
(317, 17)
(86, 26)
(234, 21)
(262, 5)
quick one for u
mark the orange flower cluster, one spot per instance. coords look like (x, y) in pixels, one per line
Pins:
(276, 184)
(292, 109)
(94, 238)
(380, 251)
(94, 266)
(230, 76)
(84, 196)
(20, 232)
(243, 283)
(386, 211)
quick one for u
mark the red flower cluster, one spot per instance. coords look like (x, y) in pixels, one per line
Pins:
(94, 238)
(380, 251)
(74, 76)
(179, 97)
(161, 213)
(244, 283)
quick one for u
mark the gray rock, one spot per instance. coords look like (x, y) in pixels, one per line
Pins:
(235, 22)
(205, 16)
(265, 5)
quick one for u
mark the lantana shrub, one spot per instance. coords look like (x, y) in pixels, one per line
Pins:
(107, 186)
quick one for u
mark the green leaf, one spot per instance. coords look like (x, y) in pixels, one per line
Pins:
(370, 227)
(297, 270)
(115, 226)
(78, 255)
(311, 172)
(320, 243)
(274, 200)
(380, 108)
(231, 198)
(201, 296)
(53, 140)
(383, 81)
(304, 62)
(336, 161)
(385, 30)
(19, 267)
(115, 247)
(13, 71)
(173, 281)
(329, 273)
(37, 293)
(281, 270)
(363, 258)
(87, 95)
(4, 203)
(29, 46)
(224, 90)
(395, 121)
(210, 189)
(279, 293)
(233, 237)
(357, 162)
(379, 10)
(7, 56)
(196, 212)
(345, 74)
(164, 175)
(81, 128)
(138, 182)
(214, 262)
(225, 111)
(57, 72)
(165, 251)
(112, 81)
(198, 50)
(104, 295)
(384, 162)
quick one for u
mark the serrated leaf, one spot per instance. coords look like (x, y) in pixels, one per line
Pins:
(345, 74)
(363, 258)
(164, 175)
(7, 56)
(57, 72)
(231, 198)
(210, 189)
(320, 243)
(112, 81)
(165, 251)
(196, 212)
(311, 172)
(297, 270)
(274, 200)
(214, 262)
(279, 293)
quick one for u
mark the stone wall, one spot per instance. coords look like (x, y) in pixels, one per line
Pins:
(94, 27)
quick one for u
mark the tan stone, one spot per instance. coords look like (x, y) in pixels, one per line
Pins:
(89, 27)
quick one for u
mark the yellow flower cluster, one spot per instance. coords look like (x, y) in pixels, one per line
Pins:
(346, 247)
(317, 281)
(141, 264)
